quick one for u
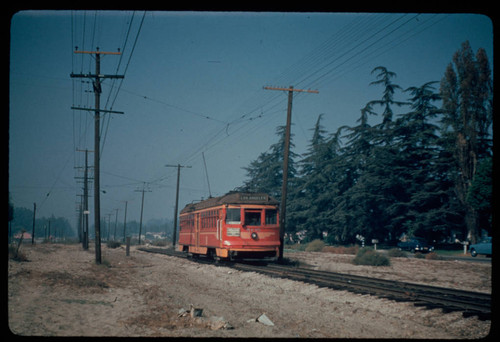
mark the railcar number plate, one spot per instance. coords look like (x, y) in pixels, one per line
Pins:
(233, 232)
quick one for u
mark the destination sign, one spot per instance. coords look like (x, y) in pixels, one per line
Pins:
(253, 197)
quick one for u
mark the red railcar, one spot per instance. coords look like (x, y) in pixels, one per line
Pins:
(236, 225)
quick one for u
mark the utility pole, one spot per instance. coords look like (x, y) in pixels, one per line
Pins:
(109, 226)
(97, 110)
(80, 221)
(178, 166)
(125, 221)
(85, 227)
(142, 208)
(116, 222)
(33, 232)
(285, 162)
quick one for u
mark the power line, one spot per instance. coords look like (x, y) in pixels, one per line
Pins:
(124, 72)
(359, 50)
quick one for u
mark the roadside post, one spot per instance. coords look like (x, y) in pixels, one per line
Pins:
(465, 243)
(127, 249)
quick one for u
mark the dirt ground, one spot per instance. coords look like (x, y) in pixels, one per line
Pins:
(60, 291)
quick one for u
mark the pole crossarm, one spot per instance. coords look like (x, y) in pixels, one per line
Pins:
(293, 89)
(168, 165)
(98, 110)
(99, 52)
(95, 76)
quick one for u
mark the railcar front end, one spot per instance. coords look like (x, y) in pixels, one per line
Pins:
(233, 226)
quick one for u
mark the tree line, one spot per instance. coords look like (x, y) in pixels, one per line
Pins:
(47, 228)
(424, 169)
(51, 228)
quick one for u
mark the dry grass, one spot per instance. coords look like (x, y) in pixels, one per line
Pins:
(351, 250)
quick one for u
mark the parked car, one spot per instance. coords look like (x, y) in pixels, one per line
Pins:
(482, 247)
(415, 245)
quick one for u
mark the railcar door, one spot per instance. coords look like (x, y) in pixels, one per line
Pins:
(197, 230)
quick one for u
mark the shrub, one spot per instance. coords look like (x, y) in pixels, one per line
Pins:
(113, 244)
(159, 242)
(15, 254)
(396, 253)
(315, 246)
(367, 256)
(432, 256)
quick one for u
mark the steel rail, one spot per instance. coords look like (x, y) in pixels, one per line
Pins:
(469, 302)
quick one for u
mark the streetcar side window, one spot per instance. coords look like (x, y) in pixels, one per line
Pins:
(252, 218)
(233, 216)
(271, 216)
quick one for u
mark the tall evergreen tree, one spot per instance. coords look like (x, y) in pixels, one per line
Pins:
(370, 157)
(466, 92)
(312, 199)
(479, 195)
(265, 174)
(387, 102)
(421, 208)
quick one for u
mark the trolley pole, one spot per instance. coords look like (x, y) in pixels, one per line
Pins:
(285, 162)
(97, 92)
(178, 166)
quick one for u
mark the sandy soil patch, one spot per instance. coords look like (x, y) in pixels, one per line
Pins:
(61, 292)
(464, 275)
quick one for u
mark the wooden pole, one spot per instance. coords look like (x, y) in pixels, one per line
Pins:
(127, 250)
(178, 166)
(33, 232)
(97, 92)
(285, 162)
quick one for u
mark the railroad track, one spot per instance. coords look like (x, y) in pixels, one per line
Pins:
(468, 302)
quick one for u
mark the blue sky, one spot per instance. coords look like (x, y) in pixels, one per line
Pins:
(194, 84)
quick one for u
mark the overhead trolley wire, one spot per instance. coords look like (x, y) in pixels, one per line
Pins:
(353, 33)
(124, 73)
(365, 56)
(352, 49)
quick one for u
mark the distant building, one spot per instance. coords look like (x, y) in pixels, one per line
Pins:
(25, 236)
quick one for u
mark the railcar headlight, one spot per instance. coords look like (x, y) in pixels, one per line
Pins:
(254, 236)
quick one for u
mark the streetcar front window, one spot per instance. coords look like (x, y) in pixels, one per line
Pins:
(233, 216)
(252, 218)
(271, 216)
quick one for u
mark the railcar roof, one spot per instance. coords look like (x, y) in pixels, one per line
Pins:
(232, 198)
